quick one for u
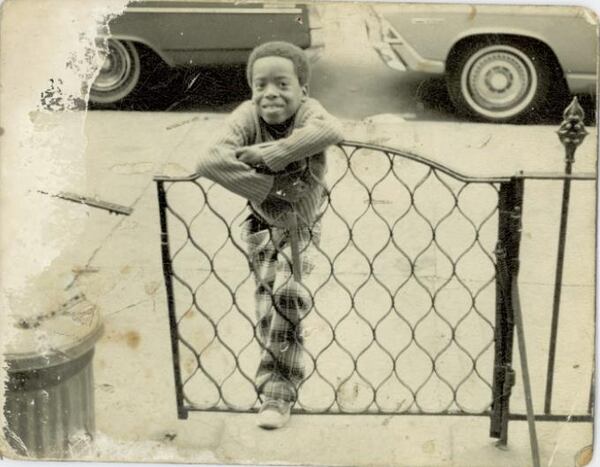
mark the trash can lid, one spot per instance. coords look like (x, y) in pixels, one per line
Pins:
(54, 338)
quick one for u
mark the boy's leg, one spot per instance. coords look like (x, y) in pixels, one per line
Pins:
(282, 369)
(263, 263)
(281, 304)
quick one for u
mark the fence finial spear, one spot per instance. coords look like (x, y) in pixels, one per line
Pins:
(572, 130)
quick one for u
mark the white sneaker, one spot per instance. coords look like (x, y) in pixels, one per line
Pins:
(274, 414)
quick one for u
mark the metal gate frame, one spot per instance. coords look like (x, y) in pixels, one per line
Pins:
(510, 206)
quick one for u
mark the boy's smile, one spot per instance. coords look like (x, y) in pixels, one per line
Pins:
(276, 91)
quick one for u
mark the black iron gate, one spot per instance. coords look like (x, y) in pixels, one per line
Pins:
(412, 292)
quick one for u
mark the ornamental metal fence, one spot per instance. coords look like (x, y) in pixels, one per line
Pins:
(412, 288)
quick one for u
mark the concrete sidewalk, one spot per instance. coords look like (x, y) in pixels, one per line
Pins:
(135, 399)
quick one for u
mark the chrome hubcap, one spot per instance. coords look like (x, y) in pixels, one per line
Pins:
(107, 64)
(115, 67)
(499, 81)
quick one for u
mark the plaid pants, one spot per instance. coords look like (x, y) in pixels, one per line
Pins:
(281, 304)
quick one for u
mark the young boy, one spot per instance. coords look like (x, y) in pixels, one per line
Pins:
(271, 152)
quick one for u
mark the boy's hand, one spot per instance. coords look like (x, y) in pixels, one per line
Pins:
(251, 155)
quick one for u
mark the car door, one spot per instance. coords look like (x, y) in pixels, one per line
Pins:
(188, 32)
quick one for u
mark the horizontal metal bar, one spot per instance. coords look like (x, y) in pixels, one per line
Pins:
(517, 416)
(556, 176)
(386, 413)
(554, 418)
(436, 165)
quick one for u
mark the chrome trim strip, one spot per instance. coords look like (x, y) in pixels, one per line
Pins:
(413, 60)
(582, 76)
(582, 82)
(396, 52)
(233, 11)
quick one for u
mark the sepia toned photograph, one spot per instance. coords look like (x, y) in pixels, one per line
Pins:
(320, 233)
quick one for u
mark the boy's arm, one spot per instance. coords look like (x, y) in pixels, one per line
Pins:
(220, 164)
(317, 130)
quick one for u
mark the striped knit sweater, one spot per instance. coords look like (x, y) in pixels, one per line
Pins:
(312, 131)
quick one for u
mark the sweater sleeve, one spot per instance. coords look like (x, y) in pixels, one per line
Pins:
(315, 130)
(219, 163)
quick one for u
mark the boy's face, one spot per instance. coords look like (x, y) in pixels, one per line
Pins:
(276, 90)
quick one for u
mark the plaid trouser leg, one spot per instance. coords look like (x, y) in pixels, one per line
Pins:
(281, 304)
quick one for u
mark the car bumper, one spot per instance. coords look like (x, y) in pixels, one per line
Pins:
(395, 51)
(581, 83)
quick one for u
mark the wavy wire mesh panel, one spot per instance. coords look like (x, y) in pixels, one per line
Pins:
(403, 291)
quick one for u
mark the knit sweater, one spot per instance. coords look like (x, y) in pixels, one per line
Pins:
(312, 131)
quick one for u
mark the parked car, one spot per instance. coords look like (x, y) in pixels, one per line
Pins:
(501, 63)
(184, 34)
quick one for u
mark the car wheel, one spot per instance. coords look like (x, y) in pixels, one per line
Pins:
(500, 82)
(119, 74)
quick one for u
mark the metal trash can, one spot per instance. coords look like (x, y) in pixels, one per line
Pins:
(49, 398)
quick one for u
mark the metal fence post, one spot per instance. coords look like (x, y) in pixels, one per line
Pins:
(182, 413)
(507, 251)
(571, 134)
(507, 267)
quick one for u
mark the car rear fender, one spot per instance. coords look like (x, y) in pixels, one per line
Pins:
(484, 32)
(474, 33)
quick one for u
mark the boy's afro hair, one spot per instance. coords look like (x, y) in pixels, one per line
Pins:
(285, 50)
